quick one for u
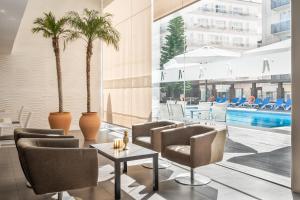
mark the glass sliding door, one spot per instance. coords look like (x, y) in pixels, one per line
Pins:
(227, 53)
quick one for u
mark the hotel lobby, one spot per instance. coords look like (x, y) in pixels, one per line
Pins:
(149, 99)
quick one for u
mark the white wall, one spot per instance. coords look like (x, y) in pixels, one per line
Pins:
(28, 75)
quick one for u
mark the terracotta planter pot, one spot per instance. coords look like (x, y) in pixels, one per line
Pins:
(89, 124)
(60, 120)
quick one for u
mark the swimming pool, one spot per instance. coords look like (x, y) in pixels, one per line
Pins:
(246, 117)
(266, 119)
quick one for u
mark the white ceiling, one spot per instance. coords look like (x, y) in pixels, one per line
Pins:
(11, 13)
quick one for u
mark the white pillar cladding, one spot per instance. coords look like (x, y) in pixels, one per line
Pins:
(296, 96)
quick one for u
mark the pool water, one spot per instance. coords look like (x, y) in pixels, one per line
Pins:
(244, 117)
(258, 118)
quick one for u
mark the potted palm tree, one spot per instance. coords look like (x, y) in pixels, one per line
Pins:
(90, 27)
(56, 29)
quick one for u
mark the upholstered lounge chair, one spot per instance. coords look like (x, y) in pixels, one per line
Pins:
(193, 146)
(148, 135)
(57, 165)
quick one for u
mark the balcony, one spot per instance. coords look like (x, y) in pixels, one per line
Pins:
(281, 27)
(275, 4)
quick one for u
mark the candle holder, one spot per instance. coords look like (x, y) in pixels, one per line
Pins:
(118, 144)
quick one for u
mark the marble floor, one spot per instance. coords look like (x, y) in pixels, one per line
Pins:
(227, 183)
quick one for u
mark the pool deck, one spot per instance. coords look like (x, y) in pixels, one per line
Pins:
(263, 153)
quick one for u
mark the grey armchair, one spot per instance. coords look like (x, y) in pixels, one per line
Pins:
(38, 133)
(193, 146)
(56, 165)
(148, 135)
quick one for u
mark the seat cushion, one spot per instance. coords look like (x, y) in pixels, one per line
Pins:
(179, 154)
(144, 141)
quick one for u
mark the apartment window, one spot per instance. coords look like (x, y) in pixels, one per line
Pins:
(237, 41)
(220, 9)
(285, 16)
(237, 11)
(220, 24)
(237, 26)
(203, 22)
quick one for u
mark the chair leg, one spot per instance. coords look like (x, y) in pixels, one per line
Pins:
(149, 165)
(161, 165)
(192, 179)
(28, 184)
(64, 196)
(59, 195)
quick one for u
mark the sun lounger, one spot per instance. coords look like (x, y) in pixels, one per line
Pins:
(274, 106)
(242, 100)
(234, 101)
(265, 102)
(288, 105)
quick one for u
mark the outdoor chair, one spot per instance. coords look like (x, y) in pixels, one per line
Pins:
(55, 165)
(148, 135)
(274, 106)
(204, 109)
(177, 112)
(265, 102)
(193, 146)
(256, 103)
(234, 101)
(241, 101)
(164, 112)
(288, 105)
(20, 115)
(279, 104)
(219, 112)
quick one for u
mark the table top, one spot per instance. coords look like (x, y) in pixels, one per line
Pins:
(134, 152)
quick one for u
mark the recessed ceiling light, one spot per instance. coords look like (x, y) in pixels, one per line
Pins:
(2, 11)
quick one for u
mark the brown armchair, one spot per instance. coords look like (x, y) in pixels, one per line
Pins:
(38, 133)
(193, 146)
(56, 165)
(148, 135)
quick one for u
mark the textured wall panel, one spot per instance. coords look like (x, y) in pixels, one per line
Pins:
(28, 76)
(127, 72)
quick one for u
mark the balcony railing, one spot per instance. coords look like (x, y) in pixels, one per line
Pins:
(279, 3)
(281, 27)
(227, 12)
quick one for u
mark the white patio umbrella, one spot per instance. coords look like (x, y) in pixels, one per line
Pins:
(174, 64)
(206, 54)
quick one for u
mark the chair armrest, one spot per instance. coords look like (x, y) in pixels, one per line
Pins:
(60, 169)
(155, 134)
(202, 149)
(175, 136)
(143, 129)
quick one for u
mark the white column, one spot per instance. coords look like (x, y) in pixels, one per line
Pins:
(296, 96)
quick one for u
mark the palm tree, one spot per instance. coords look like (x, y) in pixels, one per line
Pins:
(55, 29)
(92, 26)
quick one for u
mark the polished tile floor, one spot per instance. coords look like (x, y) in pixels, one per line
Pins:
(226, 183)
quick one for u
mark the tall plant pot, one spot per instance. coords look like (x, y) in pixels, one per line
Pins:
(60, 120)
(89, 124)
